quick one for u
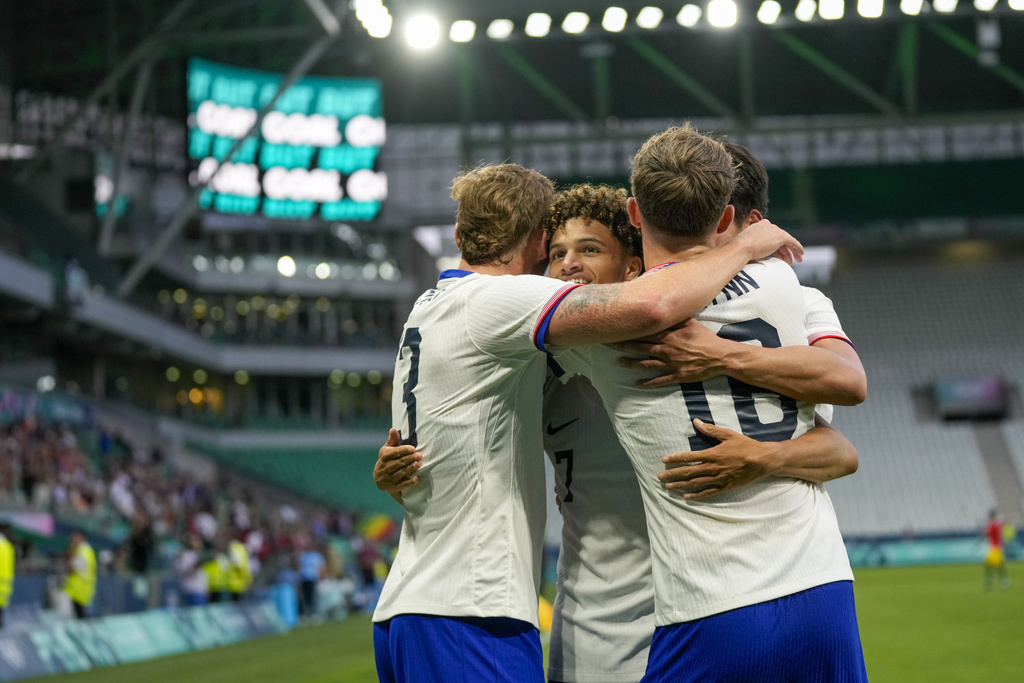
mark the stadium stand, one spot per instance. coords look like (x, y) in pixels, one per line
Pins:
(914, 319)
(337, 476)
(1013, 435)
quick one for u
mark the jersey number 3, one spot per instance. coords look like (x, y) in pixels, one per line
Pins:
(743, 394)
(411, 340)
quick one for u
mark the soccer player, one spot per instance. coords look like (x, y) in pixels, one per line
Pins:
(461, 600)
(604, 607)
(751, 584)
(995, 559)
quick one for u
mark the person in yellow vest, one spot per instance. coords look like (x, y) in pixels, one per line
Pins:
(81, 583)
(6, 569)
(217, 569)
(240, 572)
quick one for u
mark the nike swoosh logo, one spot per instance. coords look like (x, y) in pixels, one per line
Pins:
(554, 430)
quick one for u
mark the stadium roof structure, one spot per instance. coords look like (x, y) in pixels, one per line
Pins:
(916, 61)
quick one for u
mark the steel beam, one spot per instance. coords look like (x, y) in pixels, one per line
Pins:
(189, 207)
(466, 98)
(225, 8)
(684, 80)
(747, 79)
(968, 48)
(145, 50)
(602, 87)
(121, 158)
(549, 90)
(835, 72)
(908, 66)
(325, 16)
(189, 40)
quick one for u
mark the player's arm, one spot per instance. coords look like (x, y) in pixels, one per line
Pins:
(830, 371)
(396, 467)
(820, 455)
(617, 312)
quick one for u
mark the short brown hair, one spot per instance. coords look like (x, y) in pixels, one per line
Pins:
(751, 191)
(500, 207)
(602, 203)
(682, 182)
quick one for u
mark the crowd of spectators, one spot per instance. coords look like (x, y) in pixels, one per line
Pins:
(152, 512)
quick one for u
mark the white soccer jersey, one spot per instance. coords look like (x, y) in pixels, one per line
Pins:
(822, 323)
(467, 391)
(604, 609)
(770, 539)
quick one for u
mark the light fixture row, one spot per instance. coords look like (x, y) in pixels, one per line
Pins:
(424, 31)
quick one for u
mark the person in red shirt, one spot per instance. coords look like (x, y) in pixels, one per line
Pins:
(995, 559)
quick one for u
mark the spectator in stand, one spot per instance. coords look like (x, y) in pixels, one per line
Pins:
(141, 544)
(6, 568)
(206, 524)
(240, 571)
(188, 568)
(81, 582)
(312, 569)
(216, 569)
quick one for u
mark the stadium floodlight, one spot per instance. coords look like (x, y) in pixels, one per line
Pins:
(374, 17)
(462, 31)
(537, 25)
(689, 15)
(286, 266)
(870, 9)
(911, 7)
(500, 29)
(722, 13)
(1017, 5)
(649, 17)
(575, 22)
(805, 10)
(769, 12)
(831, 9)
(422, 32)
(985, 5)
(323, 271)
(944, 6)
(614, 19)
(380, 26)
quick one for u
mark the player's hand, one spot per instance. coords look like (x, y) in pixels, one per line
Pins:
(396, 466)
(765, 239)
(686, 353)
(735, 462)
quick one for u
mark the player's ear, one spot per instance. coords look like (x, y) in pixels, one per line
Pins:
(725, 221)
(723, 226)
(753, 216)
(634, 213)
(634, 266)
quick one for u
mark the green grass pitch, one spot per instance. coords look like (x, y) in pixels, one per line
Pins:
(917, 624)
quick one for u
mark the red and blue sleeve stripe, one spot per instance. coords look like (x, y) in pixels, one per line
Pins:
(541, 328)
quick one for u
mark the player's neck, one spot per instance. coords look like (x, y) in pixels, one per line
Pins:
(517, 266)
(668, 250)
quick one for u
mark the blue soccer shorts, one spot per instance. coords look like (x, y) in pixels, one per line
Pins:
(430, 649)
(808, 636)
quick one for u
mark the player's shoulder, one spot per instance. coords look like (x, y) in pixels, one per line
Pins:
(514, 285)
(773, 265)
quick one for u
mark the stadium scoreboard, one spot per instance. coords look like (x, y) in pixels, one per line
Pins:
(314, 155)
